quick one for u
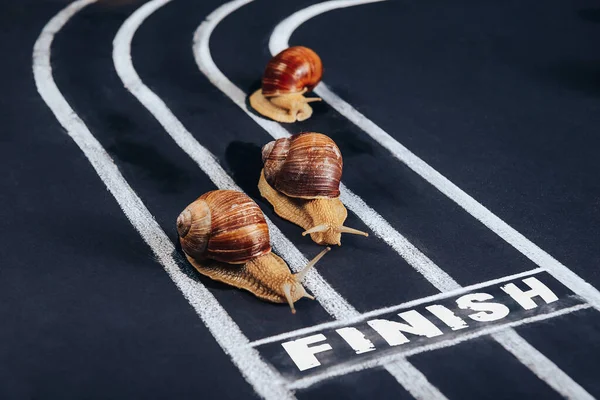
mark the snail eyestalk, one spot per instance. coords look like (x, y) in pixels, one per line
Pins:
(340, 229)
(345, 229)
(313, 99)
(315, 229)
(300, 275)
(288, 295)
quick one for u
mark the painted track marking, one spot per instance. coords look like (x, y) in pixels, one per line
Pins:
(510, 340)
(404, 372)
(265, 380)
(371, 218)
(329, 298)
(303, 383)
(108, 157)
(279, 41)
(386, 310)
(331, 301)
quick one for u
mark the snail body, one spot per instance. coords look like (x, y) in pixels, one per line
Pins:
(287, 77)
(224, 235)
(301, 179)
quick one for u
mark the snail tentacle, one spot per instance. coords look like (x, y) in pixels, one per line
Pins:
(315, 229)
(345, 229)
(300, 275)
(286, 287)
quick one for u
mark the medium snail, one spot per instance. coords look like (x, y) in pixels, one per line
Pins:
(288, 75)
(224, 235)
(301, 179)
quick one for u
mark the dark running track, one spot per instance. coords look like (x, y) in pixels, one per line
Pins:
(503, 98)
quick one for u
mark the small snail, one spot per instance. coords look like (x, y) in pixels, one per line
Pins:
(289, 74)
(301, 180)
(224, 235)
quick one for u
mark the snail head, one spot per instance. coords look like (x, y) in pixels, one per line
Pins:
(326, 233)
(293, 289)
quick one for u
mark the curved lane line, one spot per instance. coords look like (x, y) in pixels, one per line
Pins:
(279, 41)
(267, 383)
(539, 364)
(331, 301)
(404, 372)
(382, 228)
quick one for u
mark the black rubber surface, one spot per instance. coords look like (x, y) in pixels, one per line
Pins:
(501, 97)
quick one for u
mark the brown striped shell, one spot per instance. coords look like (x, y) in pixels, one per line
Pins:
(306, 165)
(293, 70)
(223, 225)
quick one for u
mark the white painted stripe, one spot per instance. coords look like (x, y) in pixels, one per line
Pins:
(331, 301)
(279, 41)
(540, 365)
(304, 383)
(529, 356)
(406, 374)
(413, 380)
(267, 383)
(386, 310)
(434, 274)
(380, 226)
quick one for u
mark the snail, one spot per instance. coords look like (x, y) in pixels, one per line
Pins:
(224, 235)
(301, 179)
(287, 77)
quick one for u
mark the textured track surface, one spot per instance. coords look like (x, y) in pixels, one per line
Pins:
(501, 97)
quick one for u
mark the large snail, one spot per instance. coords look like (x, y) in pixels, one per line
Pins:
(289, 74)
(224, 235)
(301, 180)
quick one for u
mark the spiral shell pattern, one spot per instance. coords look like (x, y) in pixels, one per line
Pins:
(223, 225)
(291, 71)
(306, 165)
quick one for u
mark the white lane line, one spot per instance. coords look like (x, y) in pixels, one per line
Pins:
(331, 301)
(279, 41)
(540, 365)
(404, 372)
(530, 357)
(433, 273)
(304, 383)
(266, 382)
(386, 310)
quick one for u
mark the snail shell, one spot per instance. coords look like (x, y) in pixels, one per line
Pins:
(288, 75)
(224, 235)
(306, 166)
(294, 70)
(224, 225)
(301, 179)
